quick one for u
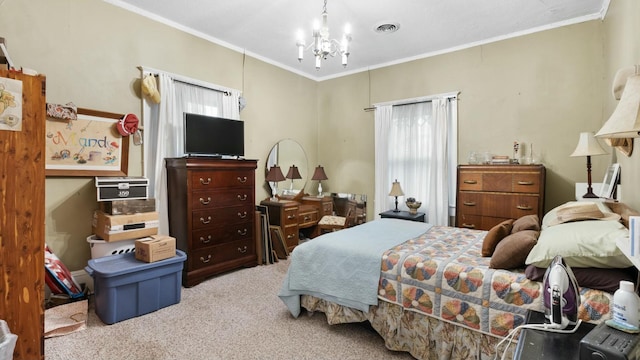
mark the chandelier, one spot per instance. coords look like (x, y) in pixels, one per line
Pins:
(322, 46)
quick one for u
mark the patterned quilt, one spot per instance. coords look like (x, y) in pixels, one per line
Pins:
(443, 274)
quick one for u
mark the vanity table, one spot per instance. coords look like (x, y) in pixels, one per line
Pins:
(298, 215)
(295, 212)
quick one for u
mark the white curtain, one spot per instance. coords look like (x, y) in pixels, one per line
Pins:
(415, 144)
(163, 127)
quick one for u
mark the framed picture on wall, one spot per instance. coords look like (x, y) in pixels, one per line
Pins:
(88, 146)
(610, 181)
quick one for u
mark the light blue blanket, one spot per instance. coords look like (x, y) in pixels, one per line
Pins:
(344, 266)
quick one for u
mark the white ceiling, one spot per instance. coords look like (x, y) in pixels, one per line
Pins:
(267, 30)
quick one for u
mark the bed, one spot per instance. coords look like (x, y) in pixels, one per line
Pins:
(428, 290)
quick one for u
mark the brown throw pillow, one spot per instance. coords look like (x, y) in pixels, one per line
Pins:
(494, 236)
(527, 222)
(512, 251)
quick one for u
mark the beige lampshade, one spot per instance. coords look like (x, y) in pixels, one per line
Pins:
(293, 173)
(275, 174)
(588, 145)
(625, 120)
(319, 174)
(396, 190)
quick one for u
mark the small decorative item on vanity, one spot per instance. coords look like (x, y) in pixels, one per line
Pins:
(319, 175)
(413, 205)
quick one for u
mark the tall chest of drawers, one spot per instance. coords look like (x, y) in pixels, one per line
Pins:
(211, 214)
(490, 194)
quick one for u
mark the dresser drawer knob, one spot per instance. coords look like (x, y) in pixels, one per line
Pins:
(468, 226)
(242, 197)
(207, 182)
(243, 250)
(527, 183)
(290, 236)
(205, 221)
(469, 203)
(291, 217)
(524, 207)
(242, 215)
(307, 218)
(206, 260)
(242, 179)
(470, 182)
(205, 241)
(242, 232)
(205, 202)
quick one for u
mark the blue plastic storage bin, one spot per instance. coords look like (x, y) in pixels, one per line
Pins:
(125, 287)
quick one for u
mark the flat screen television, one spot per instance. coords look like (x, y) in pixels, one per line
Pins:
(213, 136)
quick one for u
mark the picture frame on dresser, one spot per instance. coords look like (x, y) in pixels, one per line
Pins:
(610, 181)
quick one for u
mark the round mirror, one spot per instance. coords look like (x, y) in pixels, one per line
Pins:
(288, 154)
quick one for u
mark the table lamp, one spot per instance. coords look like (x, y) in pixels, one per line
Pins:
(588, 146)
(275, 175)
(293, 174)
(319, 175)
(396, 191)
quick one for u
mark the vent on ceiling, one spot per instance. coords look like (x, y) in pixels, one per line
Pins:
(387, 28)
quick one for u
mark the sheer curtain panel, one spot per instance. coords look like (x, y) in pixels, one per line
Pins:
(416, 144)
(163, 126)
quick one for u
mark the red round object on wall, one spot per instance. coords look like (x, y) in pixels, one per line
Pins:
(128, 124)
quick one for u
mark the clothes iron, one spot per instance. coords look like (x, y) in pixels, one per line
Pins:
(561, 296)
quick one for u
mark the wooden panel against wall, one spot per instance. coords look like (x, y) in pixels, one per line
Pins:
(22, 208)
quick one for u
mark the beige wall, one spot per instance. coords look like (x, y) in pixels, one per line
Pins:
(90, 52)
(543, 88)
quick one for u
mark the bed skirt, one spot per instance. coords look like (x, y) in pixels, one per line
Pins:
(422, 336)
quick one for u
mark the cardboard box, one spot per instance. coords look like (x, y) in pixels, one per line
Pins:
(159, 247)
(124, 227)
(126, 207)
(125, 287)
(117, 188)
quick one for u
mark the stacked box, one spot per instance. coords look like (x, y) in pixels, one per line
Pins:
(124, 227)
(127, 207)
(118, 188)
(125, 215)
(125, 287)
(155, 248)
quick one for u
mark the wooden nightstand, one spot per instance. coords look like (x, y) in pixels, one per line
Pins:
(404, 215)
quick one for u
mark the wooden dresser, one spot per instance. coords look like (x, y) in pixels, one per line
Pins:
(298, 215)
(212, 214)
(490, 194)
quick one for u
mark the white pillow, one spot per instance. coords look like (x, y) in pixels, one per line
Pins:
(588, 243)
(552, 214)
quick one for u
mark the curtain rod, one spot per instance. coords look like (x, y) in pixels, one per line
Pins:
(187, 80)
(418, 100)
(225, 92)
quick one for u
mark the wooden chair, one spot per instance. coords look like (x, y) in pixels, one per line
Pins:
(334, 223)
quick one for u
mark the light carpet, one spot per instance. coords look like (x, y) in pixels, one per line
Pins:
(237, 315)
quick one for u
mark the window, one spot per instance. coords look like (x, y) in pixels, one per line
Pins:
(416, 143)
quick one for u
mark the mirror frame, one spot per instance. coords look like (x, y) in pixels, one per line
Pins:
(285, 153)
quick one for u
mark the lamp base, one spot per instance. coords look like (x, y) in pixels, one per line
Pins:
(590, 195)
